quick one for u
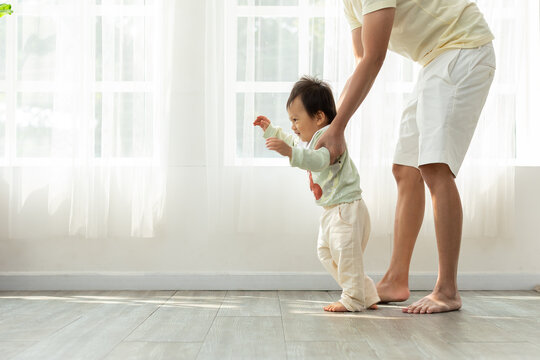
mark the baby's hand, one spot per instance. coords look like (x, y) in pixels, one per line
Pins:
(262, 121)
(279, 146)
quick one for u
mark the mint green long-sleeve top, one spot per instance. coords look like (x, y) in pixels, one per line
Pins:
(330, 183)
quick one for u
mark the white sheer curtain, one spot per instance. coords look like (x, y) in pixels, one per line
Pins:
(87, 130)
(236, 52)
(505, 135)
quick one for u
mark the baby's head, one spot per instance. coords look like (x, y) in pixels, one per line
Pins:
(310, 106)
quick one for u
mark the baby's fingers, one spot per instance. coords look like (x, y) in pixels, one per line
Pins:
(272, 143)
(262, 122)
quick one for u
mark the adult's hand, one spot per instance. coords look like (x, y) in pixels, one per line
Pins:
(334, 140)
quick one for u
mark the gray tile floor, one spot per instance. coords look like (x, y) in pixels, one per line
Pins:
(260, 325)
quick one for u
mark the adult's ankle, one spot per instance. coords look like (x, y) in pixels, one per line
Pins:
(449, 290)
(397, 276)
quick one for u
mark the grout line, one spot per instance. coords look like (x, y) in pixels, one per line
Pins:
(136, 327)
(35, 343)
(283, 327)
(212, 324)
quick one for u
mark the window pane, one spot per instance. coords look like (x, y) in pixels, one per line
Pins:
(271, 105)
(3, 50)
(3, 117)
(36, 48)
(316, 47)
(122, 48)
(132, 125)
(122, 123)
(241, 50)
(268, 2)
(275, 47)
(34, 118)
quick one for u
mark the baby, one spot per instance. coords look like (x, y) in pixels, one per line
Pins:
(345, 225)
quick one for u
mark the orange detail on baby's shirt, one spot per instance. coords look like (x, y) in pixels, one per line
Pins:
(317, 191)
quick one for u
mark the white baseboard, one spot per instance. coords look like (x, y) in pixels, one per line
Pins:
(21, 281)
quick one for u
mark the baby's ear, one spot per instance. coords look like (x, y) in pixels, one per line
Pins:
(321, 117)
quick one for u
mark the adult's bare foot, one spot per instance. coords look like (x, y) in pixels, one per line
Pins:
(336, 307)
(436, 302)
(392, 292)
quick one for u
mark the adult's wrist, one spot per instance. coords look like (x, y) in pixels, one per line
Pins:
(338, 124)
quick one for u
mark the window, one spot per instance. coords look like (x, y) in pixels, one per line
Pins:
(76, 67)
(272, 44)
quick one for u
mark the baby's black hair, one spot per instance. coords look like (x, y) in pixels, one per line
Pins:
(316, 95)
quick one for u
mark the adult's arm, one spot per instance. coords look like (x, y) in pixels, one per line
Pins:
(371, 49)
(358, 50)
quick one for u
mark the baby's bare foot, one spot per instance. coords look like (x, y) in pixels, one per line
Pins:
(336, 307)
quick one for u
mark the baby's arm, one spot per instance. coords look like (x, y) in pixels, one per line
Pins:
(271, 131)
(309, 159)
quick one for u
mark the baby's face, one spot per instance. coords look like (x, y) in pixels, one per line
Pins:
(303, 125)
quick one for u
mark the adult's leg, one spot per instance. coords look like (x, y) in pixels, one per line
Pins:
(448, 216)
(444, 140)
(394, 286)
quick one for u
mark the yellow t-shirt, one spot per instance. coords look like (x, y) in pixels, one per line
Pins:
(423, 29)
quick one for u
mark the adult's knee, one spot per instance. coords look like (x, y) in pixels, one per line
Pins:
(435, 174)
(406, 175)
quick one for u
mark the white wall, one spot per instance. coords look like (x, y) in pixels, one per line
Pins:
(253, 259)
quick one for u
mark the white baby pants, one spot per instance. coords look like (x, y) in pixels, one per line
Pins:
(343, 236)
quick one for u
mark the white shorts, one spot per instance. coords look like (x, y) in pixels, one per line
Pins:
(438, 123)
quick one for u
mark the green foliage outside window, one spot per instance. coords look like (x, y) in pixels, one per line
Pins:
(5, 9)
